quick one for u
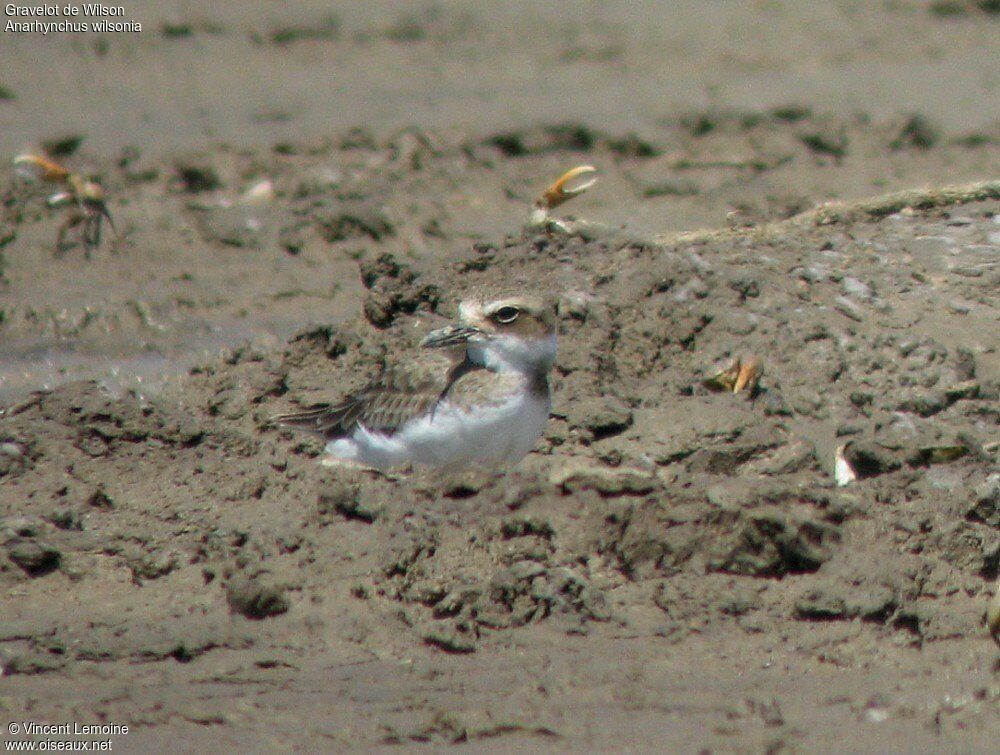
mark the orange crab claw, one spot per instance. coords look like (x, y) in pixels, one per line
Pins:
(741, 374)
(560, 191)
(38, 168)
(748, 375)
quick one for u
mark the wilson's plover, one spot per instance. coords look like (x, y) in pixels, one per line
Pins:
(476, 393)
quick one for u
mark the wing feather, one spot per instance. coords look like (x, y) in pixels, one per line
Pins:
(401, 393)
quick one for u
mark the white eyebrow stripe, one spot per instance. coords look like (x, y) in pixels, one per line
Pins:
(466, 310)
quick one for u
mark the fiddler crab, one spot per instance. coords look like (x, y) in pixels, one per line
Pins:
(570, 184)
(83, 198)
(743, 373)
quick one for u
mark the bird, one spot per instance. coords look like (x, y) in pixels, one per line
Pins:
(476, 393)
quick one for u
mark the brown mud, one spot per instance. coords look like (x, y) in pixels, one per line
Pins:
(671, 568)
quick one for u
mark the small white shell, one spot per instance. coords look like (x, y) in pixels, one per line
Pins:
(842, 471)
(261, 192)
(59, 199)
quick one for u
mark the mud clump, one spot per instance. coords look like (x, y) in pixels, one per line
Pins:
(393, 290)
(660, 525)
(197, 178)
(771, 545)
(346, 500)
(255, 598)
(36, 558)
(363, 221)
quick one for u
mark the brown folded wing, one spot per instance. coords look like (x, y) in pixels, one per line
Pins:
(401, 393)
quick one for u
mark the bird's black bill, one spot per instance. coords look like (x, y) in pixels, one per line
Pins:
(452, 335)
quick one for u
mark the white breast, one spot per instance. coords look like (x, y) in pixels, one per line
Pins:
(453, 436)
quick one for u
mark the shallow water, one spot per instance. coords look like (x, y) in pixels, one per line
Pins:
(145, 370)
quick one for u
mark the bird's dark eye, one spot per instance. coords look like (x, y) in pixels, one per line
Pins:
(506, 315)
